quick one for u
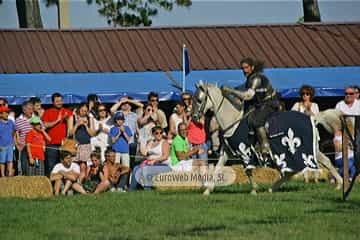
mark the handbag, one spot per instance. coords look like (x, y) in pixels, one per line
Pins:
(69, 145)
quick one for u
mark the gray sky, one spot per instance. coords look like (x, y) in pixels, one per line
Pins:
(201, 12)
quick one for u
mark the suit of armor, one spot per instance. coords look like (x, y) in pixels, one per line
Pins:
(260, 96)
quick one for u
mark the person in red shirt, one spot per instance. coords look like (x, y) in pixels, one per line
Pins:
(56, 120)
(35, 144)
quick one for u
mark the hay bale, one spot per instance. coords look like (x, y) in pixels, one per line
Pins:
(261, 175)
(26, 187)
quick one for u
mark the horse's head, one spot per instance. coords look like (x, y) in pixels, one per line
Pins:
(204, 98)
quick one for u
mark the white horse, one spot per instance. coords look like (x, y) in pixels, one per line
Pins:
(210, 97)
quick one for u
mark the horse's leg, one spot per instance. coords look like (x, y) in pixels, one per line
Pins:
(219, 166)
(325, 161)
(276, 185)
(254, 186)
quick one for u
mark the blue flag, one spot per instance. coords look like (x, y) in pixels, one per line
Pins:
(186, 61)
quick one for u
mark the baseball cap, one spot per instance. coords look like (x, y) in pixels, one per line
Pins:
(119, 116)
(4, 109)
(35, 120)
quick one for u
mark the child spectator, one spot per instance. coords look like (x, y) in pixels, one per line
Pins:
(35, 145)
(115, 173)
(120, 136)
(37, 108)
(7, 133)
(65, 174)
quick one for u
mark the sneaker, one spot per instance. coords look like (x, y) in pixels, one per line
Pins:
(112, 189)
(121, 190)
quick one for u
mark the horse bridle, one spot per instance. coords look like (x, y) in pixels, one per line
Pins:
(203, 104)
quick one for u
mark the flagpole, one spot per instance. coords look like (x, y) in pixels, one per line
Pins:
(183, 68)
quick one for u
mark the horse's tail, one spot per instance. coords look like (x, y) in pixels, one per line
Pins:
(330, 119)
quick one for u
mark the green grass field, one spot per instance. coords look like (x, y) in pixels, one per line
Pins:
(312, 211)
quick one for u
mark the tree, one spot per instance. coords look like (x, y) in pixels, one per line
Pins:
(135, 12)
(129, 13)
(29, 14)
(311, 11)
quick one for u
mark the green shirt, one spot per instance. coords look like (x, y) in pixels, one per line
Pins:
(178, 144)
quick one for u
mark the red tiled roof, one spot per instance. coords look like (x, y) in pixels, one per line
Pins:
(159, 49)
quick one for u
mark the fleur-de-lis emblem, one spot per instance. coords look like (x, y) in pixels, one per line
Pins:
(245, 152)
(281, 163)
(291, 141)
(309, 161)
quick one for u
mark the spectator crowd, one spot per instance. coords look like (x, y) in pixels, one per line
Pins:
(118, 148)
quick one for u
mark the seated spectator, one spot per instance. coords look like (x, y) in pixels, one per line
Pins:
(81, 127)
(339, 158)
(156, 154)
(95, 181)
(357, 92)
(350, 105)
(181, 153)
(177, 117)
(7, 133)
(102, 126)
(120, 136)
(35, 145)
(65, 174)
(115, 173)
(305, 105)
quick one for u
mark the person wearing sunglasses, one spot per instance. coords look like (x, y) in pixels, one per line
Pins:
(350, 105)
(306, 104)
(156, 153)
(102, 126)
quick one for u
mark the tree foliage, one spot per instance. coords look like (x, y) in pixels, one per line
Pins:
(129, 13)
(135, 12)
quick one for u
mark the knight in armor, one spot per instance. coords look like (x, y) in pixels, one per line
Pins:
(260, 97)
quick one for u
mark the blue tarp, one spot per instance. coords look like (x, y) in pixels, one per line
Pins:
(328, 81)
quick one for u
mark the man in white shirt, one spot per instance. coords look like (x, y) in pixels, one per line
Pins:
(350, 105)
(65, 173)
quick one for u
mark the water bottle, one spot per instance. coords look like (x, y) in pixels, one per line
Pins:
(37, 163)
